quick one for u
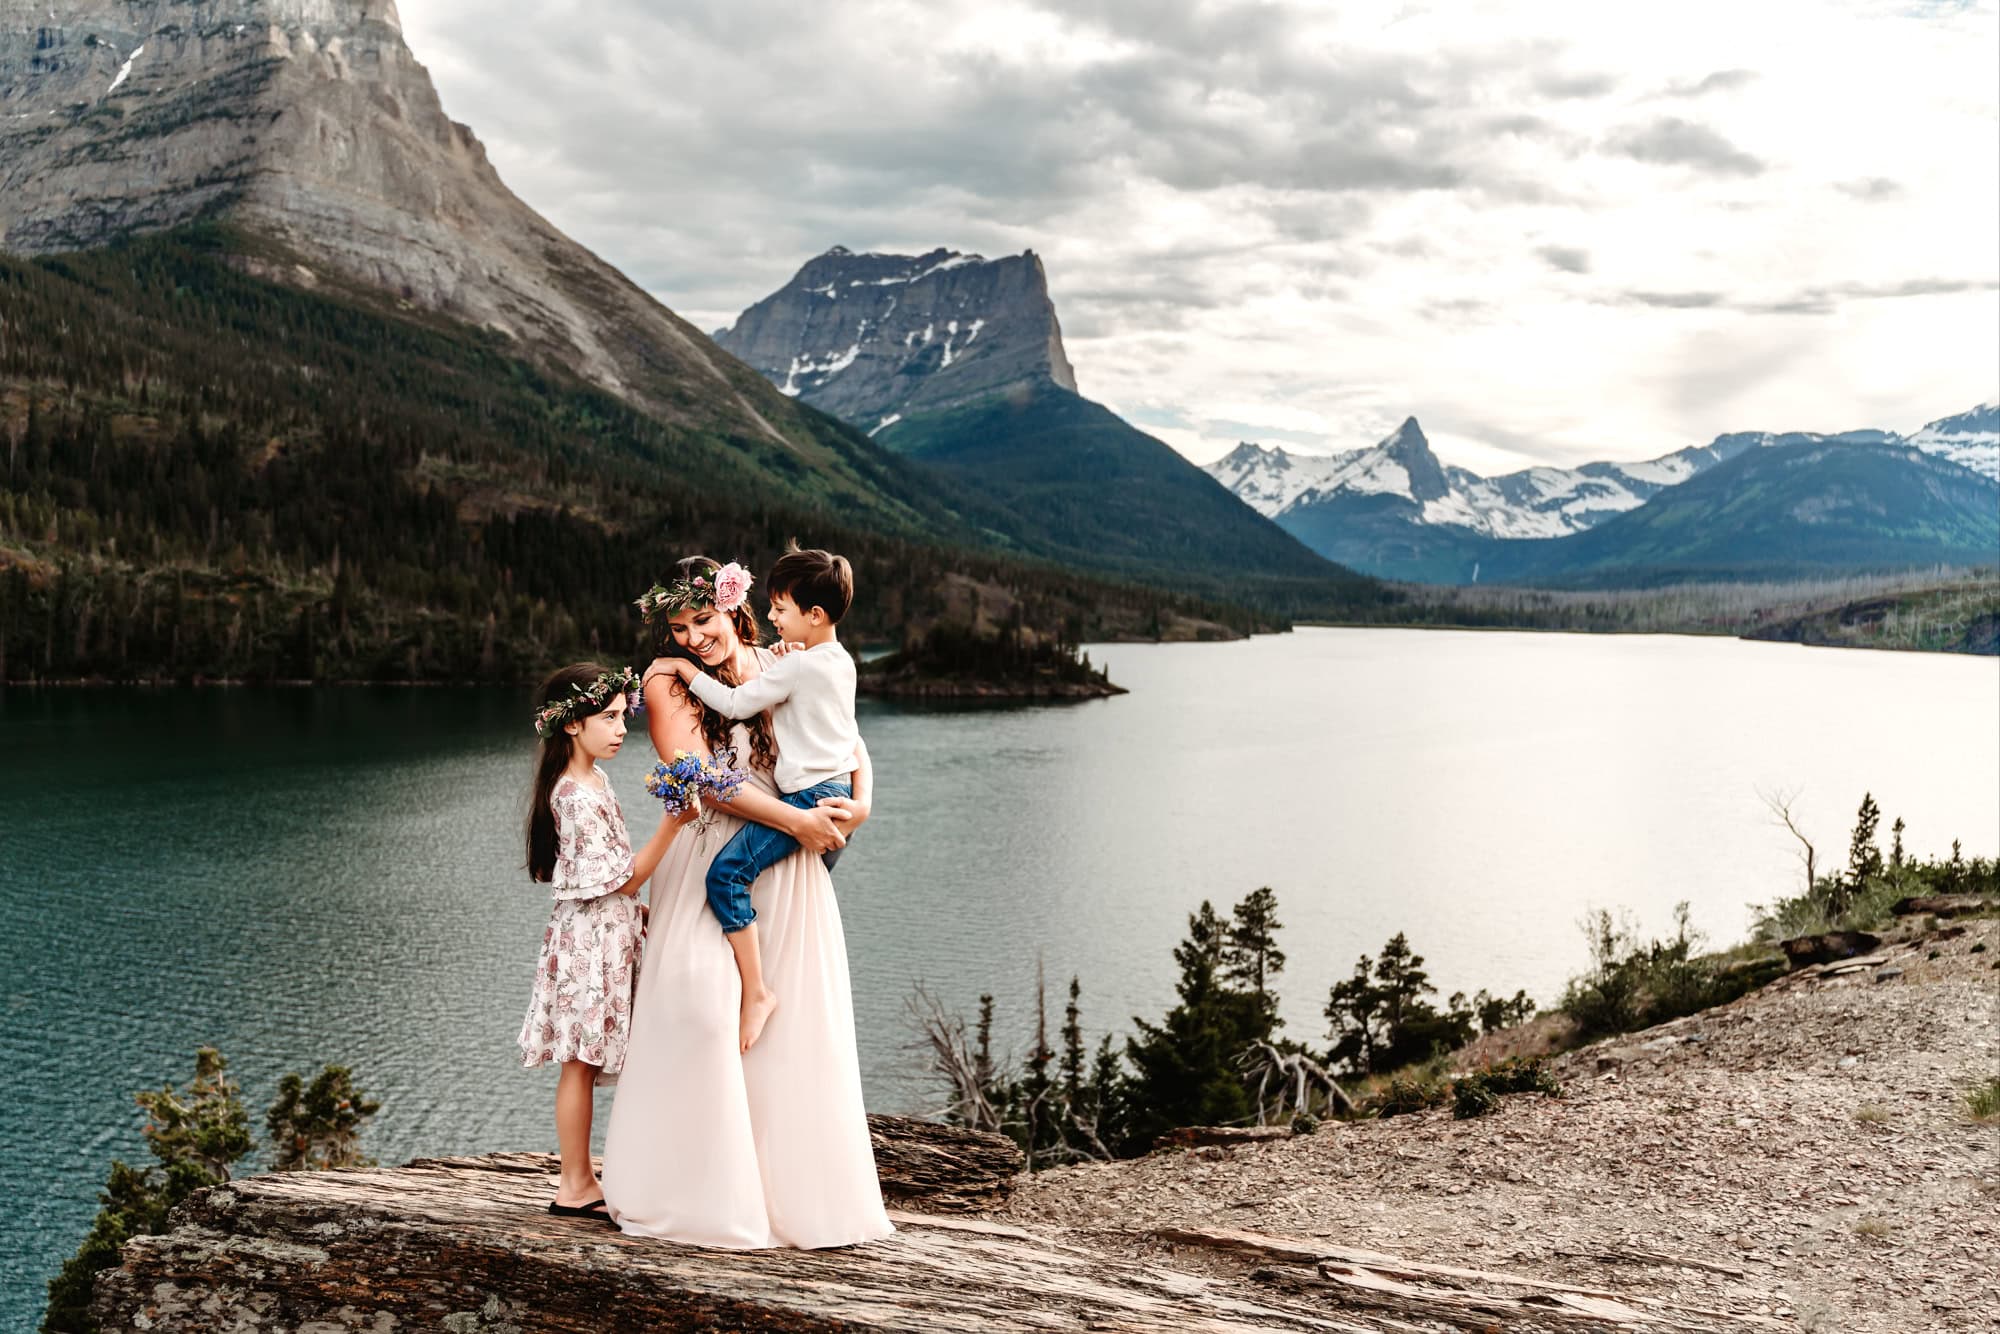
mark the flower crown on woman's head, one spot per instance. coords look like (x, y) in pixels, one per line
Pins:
(588, 701)
(723, 588)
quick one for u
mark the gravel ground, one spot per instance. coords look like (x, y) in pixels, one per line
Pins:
(1804, 1153)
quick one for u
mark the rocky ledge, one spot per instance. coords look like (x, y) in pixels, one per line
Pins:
(464, 1244)
(1800, 1159)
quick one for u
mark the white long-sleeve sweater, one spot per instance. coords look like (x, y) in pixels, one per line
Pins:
(811, 695)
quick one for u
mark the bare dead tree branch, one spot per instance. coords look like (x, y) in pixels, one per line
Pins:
(1303, 1085)
(1779, 802)
(949, 1054)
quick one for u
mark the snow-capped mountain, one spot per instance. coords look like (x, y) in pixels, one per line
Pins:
(1544, 502)
(876, 338)
(1970, 439)
(1535, 502)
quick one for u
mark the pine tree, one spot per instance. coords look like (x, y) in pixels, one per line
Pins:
(982, 1053)
(1040, 1124)
(1864, 858)
(1251, 958)
(1104, 1100)
(1072, 1040)
(1404, 984)
(1184, 1071)
(1381, 1020)
(1351, 1009)
(317, 1126)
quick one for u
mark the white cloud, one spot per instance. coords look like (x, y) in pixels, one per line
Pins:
(1553, 232)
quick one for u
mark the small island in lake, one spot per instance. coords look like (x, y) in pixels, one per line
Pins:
(957, 662)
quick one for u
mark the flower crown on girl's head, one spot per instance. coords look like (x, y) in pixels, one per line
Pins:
(723, 588)
(588, 701)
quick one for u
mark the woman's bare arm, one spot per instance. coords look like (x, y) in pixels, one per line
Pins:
(673, 719)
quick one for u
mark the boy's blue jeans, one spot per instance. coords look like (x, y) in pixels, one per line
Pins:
(755, 849)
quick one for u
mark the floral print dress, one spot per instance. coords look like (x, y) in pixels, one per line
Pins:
(581, 1009)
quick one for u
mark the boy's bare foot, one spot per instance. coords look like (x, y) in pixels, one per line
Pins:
(756, 1013)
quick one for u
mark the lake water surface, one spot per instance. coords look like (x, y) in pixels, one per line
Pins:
(303, 876)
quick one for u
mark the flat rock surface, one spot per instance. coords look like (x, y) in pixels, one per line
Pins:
(465, 1244)
(1804, 1154)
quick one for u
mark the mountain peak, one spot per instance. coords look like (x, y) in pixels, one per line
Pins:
(1409, 448)
(1248, 452)
(877, 337)
(309, 123)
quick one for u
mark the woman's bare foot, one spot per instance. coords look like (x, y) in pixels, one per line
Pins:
(756, 1013)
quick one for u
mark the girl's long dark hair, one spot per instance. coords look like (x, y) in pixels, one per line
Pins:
(557, 747)
(715, 727)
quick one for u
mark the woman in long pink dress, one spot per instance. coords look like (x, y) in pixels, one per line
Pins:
(707, 1145)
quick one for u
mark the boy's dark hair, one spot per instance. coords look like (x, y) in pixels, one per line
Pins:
(813, 578)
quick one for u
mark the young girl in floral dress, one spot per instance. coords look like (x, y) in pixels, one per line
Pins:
(581, 1012)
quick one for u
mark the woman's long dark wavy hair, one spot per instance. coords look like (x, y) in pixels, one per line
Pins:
(557, 747)
(715, 727)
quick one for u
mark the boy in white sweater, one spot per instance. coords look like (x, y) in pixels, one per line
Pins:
(810, 692)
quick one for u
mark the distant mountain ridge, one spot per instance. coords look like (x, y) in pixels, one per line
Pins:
(1535, 502)
(1792, 510)
(1395, 510)
(875, 338)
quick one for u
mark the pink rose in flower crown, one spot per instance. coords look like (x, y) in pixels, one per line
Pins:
(732, 585)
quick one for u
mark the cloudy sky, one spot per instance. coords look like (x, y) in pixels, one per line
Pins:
(1552, 231)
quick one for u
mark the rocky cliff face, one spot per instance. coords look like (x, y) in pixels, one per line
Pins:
(874, 338)
(310, 123)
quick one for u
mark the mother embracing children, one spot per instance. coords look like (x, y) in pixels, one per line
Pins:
(738, 1121)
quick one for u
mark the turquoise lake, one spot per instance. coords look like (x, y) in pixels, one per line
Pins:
(304, 876)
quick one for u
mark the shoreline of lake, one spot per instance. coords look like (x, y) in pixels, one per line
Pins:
(348, 683)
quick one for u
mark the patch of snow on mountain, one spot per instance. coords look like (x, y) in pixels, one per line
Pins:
(125, 70)
(1669, 471)
(833, 365)
(887, 422)
(952, 263)
(1371, 472)
(1969, 439)
(1451, 508)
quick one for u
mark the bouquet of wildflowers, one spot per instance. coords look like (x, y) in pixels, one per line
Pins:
(682, 782)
